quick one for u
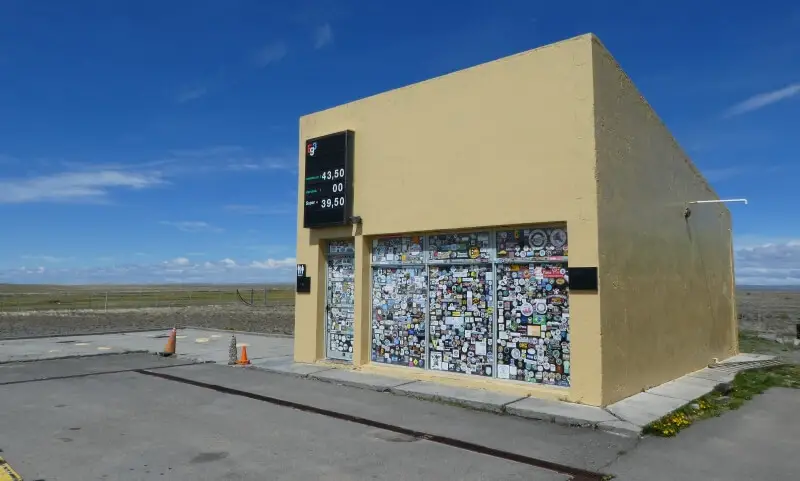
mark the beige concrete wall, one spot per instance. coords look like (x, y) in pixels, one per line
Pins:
(510, 142)
(666, 285)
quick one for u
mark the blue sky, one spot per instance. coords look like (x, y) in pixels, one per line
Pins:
(155, 141)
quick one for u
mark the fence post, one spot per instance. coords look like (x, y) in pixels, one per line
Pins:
(265, 297)
(16, 297)
(106, 303)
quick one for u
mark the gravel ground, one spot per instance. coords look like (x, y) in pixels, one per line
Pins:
(273, 320)
(773, 314)
(769, 315)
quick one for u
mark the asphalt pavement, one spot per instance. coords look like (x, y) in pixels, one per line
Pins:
(73, 419)
(139, 417)
(758, 442)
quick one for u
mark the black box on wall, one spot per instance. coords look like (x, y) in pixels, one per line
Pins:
(583, 278)
(303, 281)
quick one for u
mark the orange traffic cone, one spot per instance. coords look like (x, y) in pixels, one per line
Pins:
(169, 349)
(243, 359)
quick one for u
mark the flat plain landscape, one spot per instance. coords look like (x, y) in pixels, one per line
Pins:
(28, 310)
(766, 317)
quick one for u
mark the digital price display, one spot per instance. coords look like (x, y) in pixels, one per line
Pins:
(328, 180)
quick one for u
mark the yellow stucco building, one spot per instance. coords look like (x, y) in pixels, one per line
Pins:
(518, 226)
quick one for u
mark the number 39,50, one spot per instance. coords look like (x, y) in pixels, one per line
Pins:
(335, 202)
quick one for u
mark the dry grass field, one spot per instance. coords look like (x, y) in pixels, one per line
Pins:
(27, 310)
(765, 316)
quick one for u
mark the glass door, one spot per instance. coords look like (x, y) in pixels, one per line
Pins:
(340, 300)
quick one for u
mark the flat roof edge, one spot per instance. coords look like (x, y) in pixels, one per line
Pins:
(582, 37)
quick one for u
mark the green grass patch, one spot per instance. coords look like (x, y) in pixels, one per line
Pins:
(752, 342)
(744, 386)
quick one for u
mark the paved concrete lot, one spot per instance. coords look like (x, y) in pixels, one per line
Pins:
(274, 354)
(124, 425)
(141, 417)
(197, 344)
(582, 448)
(759, 442)
(22, 372)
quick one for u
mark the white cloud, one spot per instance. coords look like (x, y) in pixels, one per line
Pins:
(323, 35)
(261, 210)
(194, 93)
(762, 100)
(180, 269)
(774, 263)
(73, 186)
(192, 226)
(232, 158)
(178, 261)
(267, 163)
(47, 259)
(213, 151)
(270, 54)
(274, 264)
(86, 182)
(27, 271)
(148, 166)
(7, 159)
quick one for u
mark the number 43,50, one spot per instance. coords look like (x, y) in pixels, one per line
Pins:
(334, 174)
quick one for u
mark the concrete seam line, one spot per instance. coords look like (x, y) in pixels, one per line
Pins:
(7, 473)
(263, 334)
(75, 356)
(79, 334)
(577, 474)
(617, 417)
(90, 374)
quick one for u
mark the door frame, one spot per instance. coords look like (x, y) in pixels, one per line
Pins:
(327, 293)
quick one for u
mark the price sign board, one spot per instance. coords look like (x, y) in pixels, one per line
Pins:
(328, 194)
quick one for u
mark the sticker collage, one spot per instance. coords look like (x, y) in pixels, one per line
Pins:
(340, 305)
(491, 303)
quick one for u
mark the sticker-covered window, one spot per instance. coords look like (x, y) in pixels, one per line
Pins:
(398, 315)
(340, 313)
(467, 246)
(461, 303)
(533, 341)
(341, 247)
(398, 250)
(534, 244)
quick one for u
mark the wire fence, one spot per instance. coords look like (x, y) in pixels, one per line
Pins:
(80, 299)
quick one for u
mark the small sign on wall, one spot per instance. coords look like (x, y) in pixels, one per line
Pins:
(303, 281)
(583, 278)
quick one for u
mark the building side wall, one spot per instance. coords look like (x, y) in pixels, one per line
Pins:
(667, 287)
(506, 143)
